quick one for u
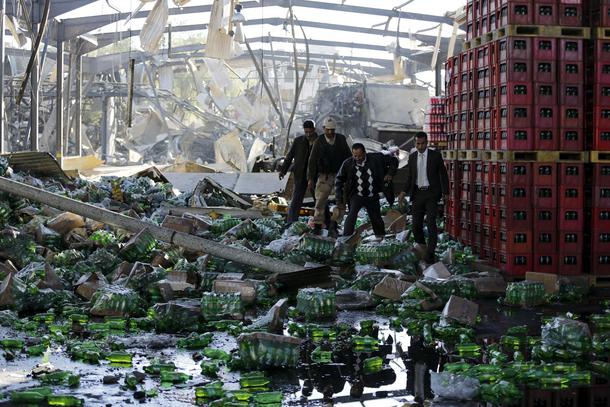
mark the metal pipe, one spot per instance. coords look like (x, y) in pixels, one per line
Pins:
(133, 225)
(131, 80)
(78, 125)
(2, 112)
(59, 121)
(34, 101)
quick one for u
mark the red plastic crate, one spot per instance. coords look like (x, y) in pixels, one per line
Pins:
(465, 191)
(572, 94)
(571, 197)
(544, 174)
(570, 15)
(521, 12)
(571, 219)
(545, 14)
(483, 77)
(571, 242)
(546, 116)
(572, 174)
(545, 49)
(545, 196)
(513, 139)
(571, 140)
(514, 173)
(545, 71)
(602, 117)
(545, 263)
(571, 71)
(545, 93)
(600, 240)
(545, 218)
(513, 48)
(484, 98)
(601, 175)
(571, 49)
(514, 264)
(571, 264)
(546, 139)
(515, 218)
(482, 55)
(572, 117)
(600, 263)
(601, 139)
(515, 196)
(604, 15)
(467, 61)
(601, 93)
(545, 240)
(515, 70)
(602, 51)
(601, 197)
(515, 241)
(477, 196)
(602, 72)
(517, 116)
(516, 93)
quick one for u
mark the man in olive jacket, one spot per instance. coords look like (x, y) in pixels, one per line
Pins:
(299, 153)
(359, 182)
(327, 154)
(427, 182)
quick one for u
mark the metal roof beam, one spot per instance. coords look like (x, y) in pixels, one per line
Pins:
(58, 7)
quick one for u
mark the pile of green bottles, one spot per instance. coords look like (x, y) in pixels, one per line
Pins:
(195, 341)
(263, 350)
(222, 225)
(567, 335)
(60, 377)
(314, 332)
(379, 253)
(365, 344)
(139, 248)
(318, 247)
(525, 293)
(316, 303)
(116, 300)
(502, 393)
(600, 322)
(215, 306)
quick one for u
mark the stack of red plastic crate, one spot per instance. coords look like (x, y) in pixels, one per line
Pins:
(518, 87)
(436, 119)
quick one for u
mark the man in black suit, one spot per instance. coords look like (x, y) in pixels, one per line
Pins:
(299, 153)
(358, 183)
(427, 182)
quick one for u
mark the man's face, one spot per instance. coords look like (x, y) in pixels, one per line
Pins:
(330, 133)
(359, 155)
(309, 132)
(421, 143)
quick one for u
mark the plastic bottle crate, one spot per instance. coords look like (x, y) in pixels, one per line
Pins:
(571, 197)
(572, 140)
(545, 14)
(598, 396)
(572, 94)
(571, 15)
(572, 71)
(600, 263)
(571, 49)
(545, 71)
(544, 174)
(545, 93)
(483, 120)
(545, 49)
(572, 174)
(601, 139)
(546, 116)
(482, 55)
(518, 242)
(466, 60)
(600, 240)
(515, 196)
(516, 116)
(601, 51)
(546, 139)
(545, 262)
(513, 48)
(513, 138)
(516, 93)
(571, 219)
(515, 70)
(571, 242)
(521, 12)
(601, 175)
(486, 252)
(545, 240)
(604, 15)
(477, 193)
(515, 265)
(514, 173)
(512, 218)
(545, 196)
(570, 263)
(484, 98)
(601, 197)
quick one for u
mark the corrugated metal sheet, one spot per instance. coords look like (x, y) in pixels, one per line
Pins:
(36, 163)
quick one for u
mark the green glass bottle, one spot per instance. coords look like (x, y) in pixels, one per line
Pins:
(64, 400)
(210, 391)
(36, 350)
(195, 341)
(468, 349)
(116, 324)
(321, 356)
(266, 398)
(210, 368)
(31, 396)
(16, 344)
(372, 365)
(253, 380)
(79, 318)
(156, 367)
(554, 382)
(217, 354)
(123, 358)
(365, 344)
(174, 377)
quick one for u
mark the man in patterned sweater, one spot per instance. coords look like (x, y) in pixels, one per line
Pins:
(359, 182)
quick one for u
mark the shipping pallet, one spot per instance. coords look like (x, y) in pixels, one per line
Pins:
(518, 156)
(602, 33)
(600, 157)
(449, 155)
(550, 31)
(599, 281)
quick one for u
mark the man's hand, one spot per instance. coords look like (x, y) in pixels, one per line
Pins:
(341, 206)
(401, 196)
(387, 178)
(310, 184)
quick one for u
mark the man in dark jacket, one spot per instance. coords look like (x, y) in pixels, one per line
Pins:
(359, 182)
(327, 154)
(427, 182)
(299, 153)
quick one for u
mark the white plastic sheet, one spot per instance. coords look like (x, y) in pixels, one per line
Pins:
(230, 150)
(154, 27)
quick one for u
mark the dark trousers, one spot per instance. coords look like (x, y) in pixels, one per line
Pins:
(425, 203)
(298, 194)
(371, 205)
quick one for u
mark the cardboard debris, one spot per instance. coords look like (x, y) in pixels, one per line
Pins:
(550, 281)
(489, 284)
(66, 222)
(10, 289)
(88, 284)
(273, 320)
(460, 310)
(208, 192)
(437, 270)
(246, 289)
(391, 288)
(178, 224)
(349, 299)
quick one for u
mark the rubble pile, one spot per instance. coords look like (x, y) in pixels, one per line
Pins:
(78, 287)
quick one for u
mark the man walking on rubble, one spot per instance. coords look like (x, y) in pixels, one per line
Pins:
(299, 153)
(359, 182)
(327, 154)
(427, 182)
